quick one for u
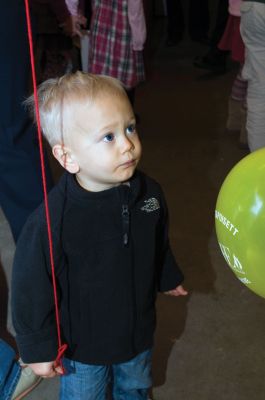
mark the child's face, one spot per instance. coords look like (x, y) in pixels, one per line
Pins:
(105, 144)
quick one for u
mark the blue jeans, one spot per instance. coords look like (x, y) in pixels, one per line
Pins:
(130, 380)
(9, 371)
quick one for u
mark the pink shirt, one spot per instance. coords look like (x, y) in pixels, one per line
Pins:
(72, 6)
(234, 7)
(136, 20)
(137, 23)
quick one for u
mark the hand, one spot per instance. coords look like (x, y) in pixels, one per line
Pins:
(179, 291)
(72, 25)
(46, 369)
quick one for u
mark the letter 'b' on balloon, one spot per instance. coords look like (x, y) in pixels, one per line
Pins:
(240, 221)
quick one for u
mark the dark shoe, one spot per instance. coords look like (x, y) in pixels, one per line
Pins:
(212, 61)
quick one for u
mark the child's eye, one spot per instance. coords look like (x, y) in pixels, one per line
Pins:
(131, 128)
(109, 137)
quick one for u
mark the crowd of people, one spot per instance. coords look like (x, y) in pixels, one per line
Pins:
(117, 40)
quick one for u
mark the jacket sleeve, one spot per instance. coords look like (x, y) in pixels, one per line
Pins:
(170, 275)
(137, 23)
(73, 6)
(32, 296)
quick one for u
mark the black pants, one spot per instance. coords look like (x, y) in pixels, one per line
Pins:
(198, 24)
(220, 24)
(20, 177)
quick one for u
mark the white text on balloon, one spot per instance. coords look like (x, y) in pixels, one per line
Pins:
(220, 217)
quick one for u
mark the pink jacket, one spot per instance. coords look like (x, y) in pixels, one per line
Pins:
(136, 20)
(234, 7)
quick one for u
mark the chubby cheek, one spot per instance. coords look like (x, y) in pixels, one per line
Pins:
(106, 160)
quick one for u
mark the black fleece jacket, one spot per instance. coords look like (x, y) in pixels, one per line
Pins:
(112, 254)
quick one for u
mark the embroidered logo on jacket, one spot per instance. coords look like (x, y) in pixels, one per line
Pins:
(151, 204)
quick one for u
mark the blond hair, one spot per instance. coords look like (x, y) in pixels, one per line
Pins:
(56, 96)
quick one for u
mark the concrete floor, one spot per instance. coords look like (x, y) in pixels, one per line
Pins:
(211, 344)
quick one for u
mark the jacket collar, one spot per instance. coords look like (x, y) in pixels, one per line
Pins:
(75, 192)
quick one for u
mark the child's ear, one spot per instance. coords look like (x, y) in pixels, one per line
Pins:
(65, 157)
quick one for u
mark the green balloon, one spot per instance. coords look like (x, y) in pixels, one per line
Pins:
(240, 221)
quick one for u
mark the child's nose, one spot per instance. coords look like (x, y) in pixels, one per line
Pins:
(126, 144)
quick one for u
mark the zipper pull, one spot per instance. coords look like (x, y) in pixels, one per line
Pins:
(125, 223)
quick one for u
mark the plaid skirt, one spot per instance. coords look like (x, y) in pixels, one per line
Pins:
(111, 51)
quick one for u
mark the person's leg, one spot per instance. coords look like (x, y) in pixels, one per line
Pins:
(215, 59)
(253, 33)
(10, 370)
(199, 20)
(84, 382)
(132, 380)
(220, 24)
(175, 21)
(20, 186)
(236, 101)
(20, 177)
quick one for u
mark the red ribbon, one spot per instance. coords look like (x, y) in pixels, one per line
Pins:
(61, 348)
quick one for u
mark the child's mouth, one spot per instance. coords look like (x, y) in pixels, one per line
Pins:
(128, 163)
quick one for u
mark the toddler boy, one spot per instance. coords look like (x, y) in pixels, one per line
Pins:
(112, 253)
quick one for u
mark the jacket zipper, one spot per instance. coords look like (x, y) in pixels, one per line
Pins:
(125, 213)
(125, 223)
